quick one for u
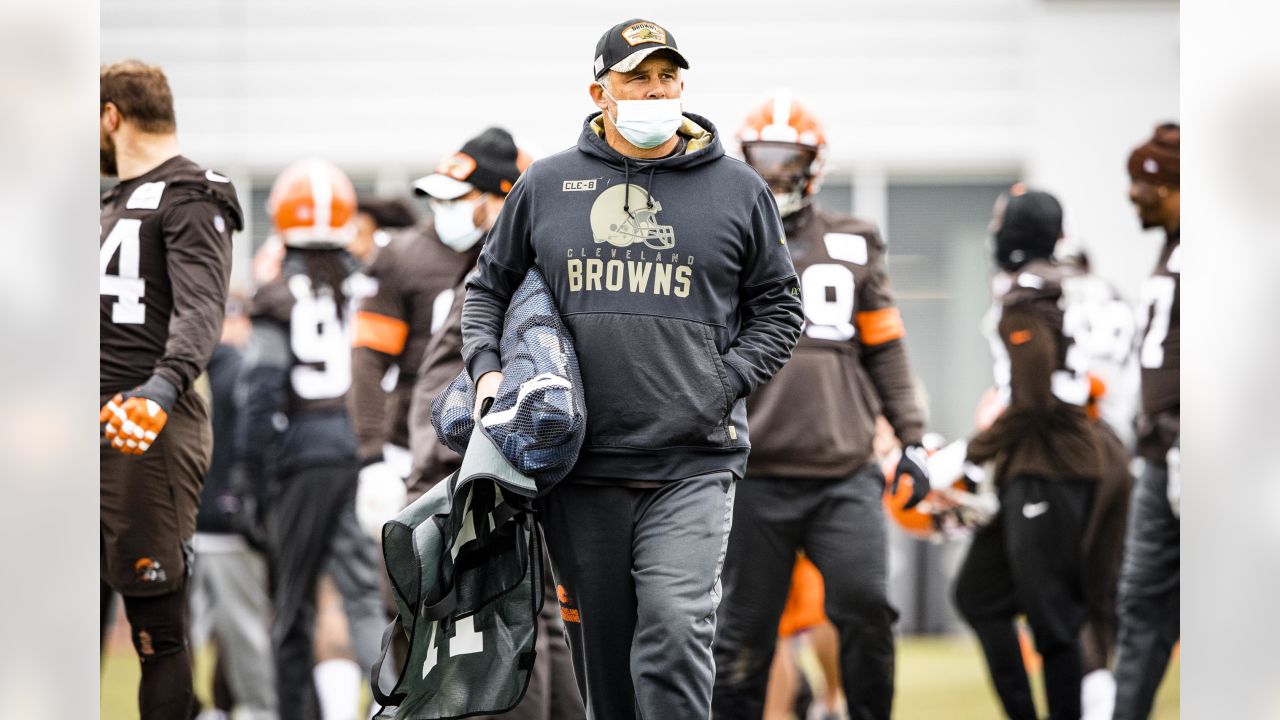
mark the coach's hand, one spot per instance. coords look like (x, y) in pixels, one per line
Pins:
(915, 464)
(486, 391)
(132, 420)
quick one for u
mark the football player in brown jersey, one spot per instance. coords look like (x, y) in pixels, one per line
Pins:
(165, 258)
(295, 433)
(416, 273)
(1047, 457)
(376, 219)
(812, 482)
(1149, 578)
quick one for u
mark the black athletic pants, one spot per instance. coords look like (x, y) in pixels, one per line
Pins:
(1028, 561)
(840, 525)
(1149, 601)
(312, 527)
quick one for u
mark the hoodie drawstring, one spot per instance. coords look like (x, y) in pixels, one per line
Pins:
(626, 193)
(649, 190)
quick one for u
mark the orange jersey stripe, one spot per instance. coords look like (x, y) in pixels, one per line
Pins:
(880, 326)
(380, 332)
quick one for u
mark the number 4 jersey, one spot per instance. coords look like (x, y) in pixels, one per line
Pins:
(816, 417)
(164, 260)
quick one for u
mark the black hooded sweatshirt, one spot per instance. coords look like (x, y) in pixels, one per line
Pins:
(674, 278)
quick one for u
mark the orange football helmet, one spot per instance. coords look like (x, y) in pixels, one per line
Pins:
(786, 144)
(313, 205)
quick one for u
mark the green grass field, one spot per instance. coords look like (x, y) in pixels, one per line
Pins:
(941, 677)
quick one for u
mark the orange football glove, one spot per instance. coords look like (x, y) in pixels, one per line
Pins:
(131, 421)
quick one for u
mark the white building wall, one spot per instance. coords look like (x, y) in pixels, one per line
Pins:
(1060, 89)
(1099, 76)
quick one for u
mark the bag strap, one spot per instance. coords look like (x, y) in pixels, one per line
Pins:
(443, 607)
(508, 510)
(392, 698)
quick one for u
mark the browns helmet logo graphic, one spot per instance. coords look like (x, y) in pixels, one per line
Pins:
(149, 571)
(458, 166)
(644, 32)
(568, 612)
(627, 214)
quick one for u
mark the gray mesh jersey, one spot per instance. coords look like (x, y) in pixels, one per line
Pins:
(466, 577)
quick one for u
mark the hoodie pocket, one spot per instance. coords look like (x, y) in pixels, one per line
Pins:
(651, 382)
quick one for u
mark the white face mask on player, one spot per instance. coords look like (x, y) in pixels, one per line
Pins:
(455, 223)
(647, 123)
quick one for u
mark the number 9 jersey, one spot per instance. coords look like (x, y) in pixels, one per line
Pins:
(297, 371)
(164, 261)
(816, 418)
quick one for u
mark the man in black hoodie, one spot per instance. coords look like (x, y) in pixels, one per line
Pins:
(669, 266)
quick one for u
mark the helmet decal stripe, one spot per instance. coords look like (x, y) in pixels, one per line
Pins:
(322, 194)
(780, 129)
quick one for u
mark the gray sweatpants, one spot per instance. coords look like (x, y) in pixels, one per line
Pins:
(1148, 597)
(638, 578)
(230, 601)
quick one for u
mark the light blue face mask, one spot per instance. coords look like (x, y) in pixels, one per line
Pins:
(647, 123)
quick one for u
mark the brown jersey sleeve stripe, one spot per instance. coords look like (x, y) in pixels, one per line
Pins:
(380, 332)
(880, 326)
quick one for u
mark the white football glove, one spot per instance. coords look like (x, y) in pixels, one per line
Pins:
(1174, 488)
(381, 496)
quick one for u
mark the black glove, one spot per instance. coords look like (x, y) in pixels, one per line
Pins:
(246, 505)
(914, 462)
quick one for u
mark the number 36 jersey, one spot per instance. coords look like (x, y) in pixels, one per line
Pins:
(816, 417)
(164, 258)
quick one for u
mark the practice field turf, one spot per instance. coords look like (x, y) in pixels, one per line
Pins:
(938, 677)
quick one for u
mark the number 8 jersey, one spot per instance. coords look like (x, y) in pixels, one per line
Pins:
(816, 417)
(164, 258)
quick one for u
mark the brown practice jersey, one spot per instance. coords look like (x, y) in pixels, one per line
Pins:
(416, 276)
(1158, 354)
(441, 363)
(164, 255)
(1042, 376)
(816, 417)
